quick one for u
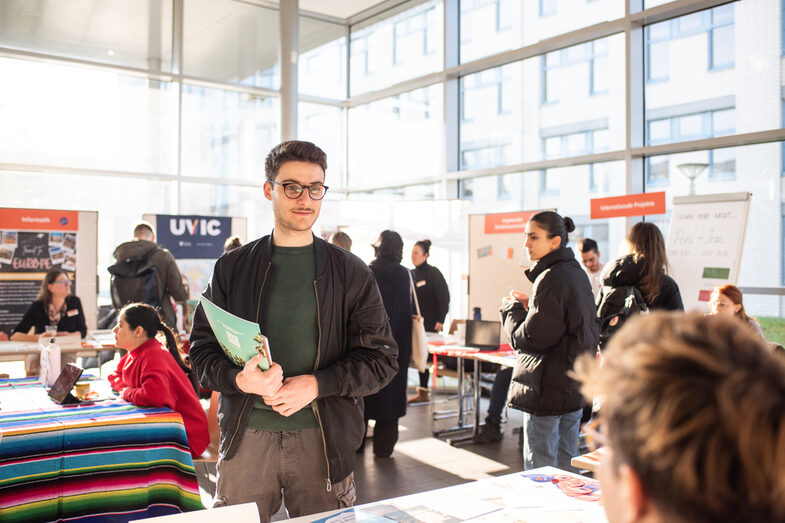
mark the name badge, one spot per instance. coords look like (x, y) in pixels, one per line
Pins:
(72, 313)
(420, 283)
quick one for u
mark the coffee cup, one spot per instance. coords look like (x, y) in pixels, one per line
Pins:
(81, 389)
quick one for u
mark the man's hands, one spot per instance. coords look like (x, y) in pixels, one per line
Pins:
(254, 380)
(285, 396)
(296, 393)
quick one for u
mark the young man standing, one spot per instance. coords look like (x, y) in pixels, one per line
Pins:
(590, 256)
(294, 428)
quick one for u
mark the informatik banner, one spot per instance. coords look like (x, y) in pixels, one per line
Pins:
(32, 242)
(629, 205)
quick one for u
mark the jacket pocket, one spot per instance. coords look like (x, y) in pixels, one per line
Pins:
(530, 370)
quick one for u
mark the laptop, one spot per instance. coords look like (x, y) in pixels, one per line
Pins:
(61, 390)
(483, 335)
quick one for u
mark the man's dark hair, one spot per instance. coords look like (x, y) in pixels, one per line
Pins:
(587, 245)
(389, 248)
(143, 230)
(293, 151)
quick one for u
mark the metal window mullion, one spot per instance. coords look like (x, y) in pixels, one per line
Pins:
(178, 17)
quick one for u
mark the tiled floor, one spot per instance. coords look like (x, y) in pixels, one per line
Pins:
(422, 462)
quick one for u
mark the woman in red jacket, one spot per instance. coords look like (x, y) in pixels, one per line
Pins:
(149, 376)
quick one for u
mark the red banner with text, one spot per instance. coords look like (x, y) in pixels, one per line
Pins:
(508, 222)
(629, 205)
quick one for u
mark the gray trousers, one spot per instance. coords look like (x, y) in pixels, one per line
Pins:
(271, 466)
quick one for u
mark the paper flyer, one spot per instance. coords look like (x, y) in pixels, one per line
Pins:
(240, 339)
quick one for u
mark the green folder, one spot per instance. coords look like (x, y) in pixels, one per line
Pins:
(240, 339)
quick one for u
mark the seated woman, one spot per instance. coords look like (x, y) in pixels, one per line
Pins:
(727, 300)
(148, 376)
(55, 305)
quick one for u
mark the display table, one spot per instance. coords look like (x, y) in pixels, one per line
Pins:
(505, 356)
(541, 495)
(109, 461)
(589, 461)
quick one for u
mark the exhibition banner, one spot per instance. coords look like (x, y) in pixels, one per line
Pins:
(193, 237)
(629, 205)
(508, 222)
(32, 241)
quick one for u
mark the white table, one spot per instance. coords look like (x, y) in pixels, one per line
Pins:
(95, 341)
(504, 357)
(529, 496)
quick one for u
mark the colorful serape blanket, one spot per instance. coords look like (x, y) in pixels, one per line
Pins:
(108, 461)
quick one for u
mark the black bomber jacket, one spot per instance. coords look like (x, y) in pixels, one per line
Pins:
(356, 355)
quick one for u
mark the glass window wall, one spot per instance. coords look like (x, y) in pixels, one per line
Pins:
(524, 112)
(493, 26)
(760, 165)
(402, 45)
(62, 115)
(397, 140)
(324, 126)
(121, 32)
(227, 134)
(233, 42)
(322, 62)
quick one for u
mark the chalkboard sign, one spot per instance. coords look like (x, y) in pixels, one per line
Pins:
(705, 243)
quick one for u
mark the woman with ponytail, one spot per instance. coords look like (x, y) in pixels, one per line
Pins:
(148, 376)
(645, 266)
(550, 329)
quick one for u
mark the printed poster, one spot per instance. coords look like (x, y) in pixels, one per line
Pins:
(32, 241)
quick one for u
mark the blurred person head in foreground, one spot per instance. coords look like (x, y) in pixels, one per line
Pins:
(693, 420)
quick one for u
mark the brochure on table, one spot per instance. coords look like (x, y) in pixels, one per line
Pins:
(541, 495)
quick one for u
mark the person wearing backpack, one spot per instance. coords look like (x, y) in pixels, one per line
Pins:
(636, 282)
(147, 273)
(550, 329)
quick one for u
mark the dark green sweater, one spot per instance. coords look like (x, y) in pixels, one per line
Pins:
(290, 323)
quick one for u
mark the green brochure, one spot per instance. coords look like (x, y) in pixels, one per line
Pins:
(240, 339)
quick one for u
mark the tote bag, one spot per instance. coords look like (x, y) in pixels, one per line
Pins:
(419, 359)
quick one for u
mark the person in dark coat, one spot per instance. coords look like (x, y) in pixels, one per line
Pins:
(550, 329)
(433, 296)
(645, 267)
(389, 404)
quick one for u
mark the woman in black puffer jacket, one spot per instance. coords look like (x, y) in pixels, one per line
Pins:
(550, 330)
(645, 267)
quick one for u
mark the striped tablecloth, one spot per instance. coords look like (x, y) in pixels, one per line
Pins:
(110, 461)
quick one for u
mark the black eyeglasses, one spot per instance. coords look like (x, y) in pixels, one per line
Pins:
(293, 190)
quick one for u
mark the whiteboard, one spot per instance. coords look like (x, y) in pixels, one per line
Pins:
(705, 243)
(497, 261)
